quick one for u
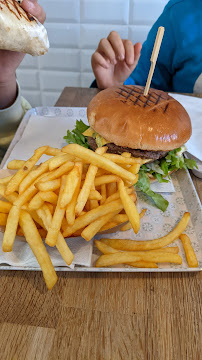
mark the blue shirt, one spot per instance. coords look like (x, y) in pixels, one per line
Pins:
(179, 64)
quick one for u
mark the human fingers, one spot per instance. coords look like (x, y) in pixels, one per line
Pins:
(98, 59)
(137, 51)
(32, 7)
(129, 52)
(105, 49)
(117, 45)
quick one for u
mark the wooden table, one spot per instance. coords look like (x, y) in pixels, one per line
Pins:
(100, 316)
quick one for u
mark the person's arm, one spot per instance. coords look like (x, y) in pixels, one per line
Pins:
(17, 109)
(10, 60)
(162, 77)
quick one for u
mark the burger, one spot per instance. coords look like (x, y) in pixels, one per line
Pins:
(153, 127)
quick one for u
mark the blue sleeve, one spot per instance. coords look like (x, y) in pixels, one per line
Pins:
(162, 77)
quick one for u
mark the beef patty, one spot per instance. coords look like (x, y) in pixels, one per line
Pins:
(115, 149)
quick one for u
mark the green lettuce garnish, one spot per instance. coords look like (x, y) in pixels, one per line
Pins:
(144, 185)
(76, 136)
(174, 160)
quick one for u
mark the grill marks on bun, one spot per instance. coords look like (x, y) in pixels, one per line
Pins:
(127, 118)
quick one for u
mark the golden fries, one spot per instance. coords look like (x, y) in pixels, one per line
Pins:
(15, 164)
(189, 251)
(129, 207)
(3, 219)
(91, 230)
(127, 257)
(133, 245)
(54, 229)
(35, 242)
(5, 207)
(51, 185)
(22, 172)
(79, 193)
(98, 160)
(11, 228)
(71, 182)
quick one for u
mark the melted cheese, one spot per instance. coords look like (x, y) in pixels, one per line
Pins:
(90, 132)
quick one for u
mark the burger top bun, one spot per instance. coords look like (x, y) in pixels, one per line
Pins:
(125, 117)
(21, 32)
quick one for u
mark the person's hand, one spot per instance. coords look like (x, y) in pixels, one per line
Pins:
(114, 60)
(10, 60)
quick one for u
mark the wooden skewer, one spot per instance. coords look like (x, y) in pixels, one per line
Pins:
(154, 57)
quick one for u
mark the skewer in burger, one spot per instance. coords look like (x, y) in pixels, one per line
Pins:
(153, 127)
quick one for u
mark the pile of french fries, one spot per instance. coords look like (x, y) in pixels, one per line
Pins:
(147, 254)
(76, 192)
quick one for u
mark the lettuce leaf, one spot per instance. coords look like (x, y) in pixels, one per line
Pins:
(76, 136)
(144, 185)
(174, 160)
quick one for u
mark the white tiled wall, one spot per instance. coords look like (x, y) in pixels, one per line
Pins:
(74, 29)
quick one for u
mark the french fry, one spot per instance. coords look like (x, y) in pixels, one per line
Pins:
(129, 207)
(54, 229)
(70, 210)
(128, 226)
(59, 160)
(94, 195)
(72, 180)
(5, 207)
(24, 171)
(48, 196)
(134, 169)
(111, 188)
(51, 185)
(25, 196)
(36, 244)
(51, 151)
(92, 229)
(189, 251)
(144, 264)
(36, 202)
(92, 215)
(117, 195)
(129, 257)
(102, 172)
(133, 245)
(119, 159)
(11, 228)
(11, 198)
(98, 160)
(55, 174)
(3, 219)
(108, 250)
(106, 179)
(61, 244)
(32, 176)
(120, 218)
(93, 204)
(51, 207)
(86, 188)
(108, 226)
(103, 194)
(15, 164)
(126, 154)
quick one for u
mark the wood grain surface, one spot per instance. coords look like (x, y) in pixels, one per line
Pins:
(101, 316)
